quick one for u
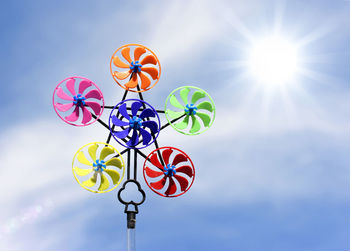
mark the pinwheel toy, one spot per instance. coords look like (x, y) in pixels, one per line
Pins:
(133, 124)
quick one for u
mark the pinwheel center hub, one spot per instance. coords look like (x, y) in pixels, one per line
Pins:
(191, 109)
(169, 170)
(135, 66)
(79, 100)
(100, 165)
(135, 122)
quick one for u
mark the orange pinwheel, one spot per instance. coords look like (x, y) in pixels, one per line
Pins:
(138, 73)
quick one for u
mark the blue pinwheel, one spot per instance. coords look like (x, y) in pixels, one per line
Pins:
(142, 124)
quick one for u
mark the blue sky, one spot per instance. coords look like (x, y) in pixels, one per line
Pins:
(271, 174)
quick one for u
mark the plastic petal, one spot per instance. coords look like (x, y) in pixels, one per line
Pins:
(152, 173)
(135, 106)
(90, 182)
(82, 159)
(171, 188)
(173, 100)
(185, 169)
(61, 94)
(147, 113)
(104, 183)
(139, 51)
(146, 136)
(118, 63)
(145, 81)
(118, 122)
(205, 105)
(133, 82)
(153, 126)
(92, 151)
(184, 95)
(159, 184)
(134, 139)
(93, 94)
(122, 75)
(105, 152)
(122, 134)
(155, 161)
(64, 107)
(166, 154)
(70, 86)
(178, 159)
(183, 124)
(114, 162)
(173, 114)
(96, 107)
(126, 54)
(114, 175)
(82, 171)
(83, 85)
(122, 110)
(204, 117)
(183, 182)
(196, 126)
(74, 116)
(153, 72)
(86, 115)
(196, 96)
(149, 59)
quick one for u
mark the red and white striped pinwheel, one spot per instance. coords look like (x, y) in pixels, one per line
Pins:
(135, 68)
(78, 101)
(168, 171)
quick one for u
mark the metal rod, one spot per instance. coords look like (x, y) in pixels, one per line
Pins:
(174, 120)
(135, 164)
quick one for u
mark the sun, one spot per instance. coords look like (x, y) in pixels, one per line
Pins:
(273, 60)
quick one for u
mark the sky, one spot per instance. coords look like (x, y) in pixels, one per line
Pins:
(272, 173)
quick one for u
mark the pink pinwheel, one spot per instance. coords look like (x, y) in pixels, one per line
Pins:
(83, 103)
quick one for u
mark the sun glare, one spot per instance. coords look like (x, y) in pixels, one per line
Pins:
(273, 60)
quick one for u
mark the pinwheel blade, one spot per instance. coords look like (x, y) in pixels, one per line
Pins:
(122, 75)
(133, 82)
(114, 162)
(92, 151)
(173, 114)
(117, 62)
(70, 86)
(186, 170)
(63, 107)
(126, 54)
(86, 115)
(145, 81)
(61, 94)
(152, 173)
(183, 182)
(146, 136)
(139, 51)
(153, 72)
(118, 122)
(166, 154)
(82, 159)
(135, 107)
(90, 182)
(104, 183)
(196, 96)
(122, 110)
(159, 184)
(74, 116)
(171, 188)
(83, 85)
(196, 126)
(178, 159)
(184, 95)
(149, 59)
(153, 126)
(173, 100)
(155, 161)
(122, 134)
(93, 94)
(82, 171)
(134, 139)
(114, 175)
(147, 113)
(105, 152)
(205, 105)
(96, 107)
(183, 124)
(204, 117)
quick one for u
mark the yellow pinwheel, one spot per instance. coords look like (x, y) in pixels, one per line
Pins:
(98, 174)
